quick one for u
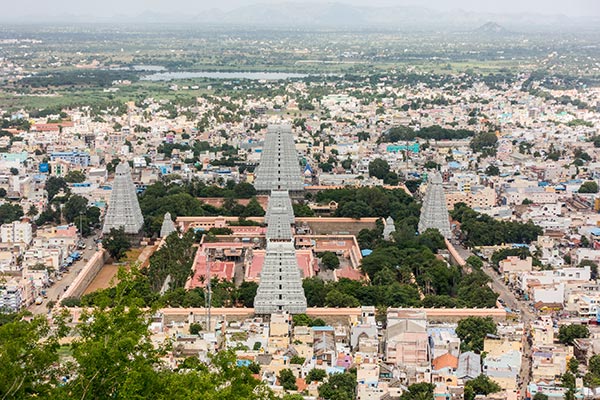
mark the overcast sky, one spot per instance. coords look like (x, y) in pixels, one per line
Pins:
(104, 8)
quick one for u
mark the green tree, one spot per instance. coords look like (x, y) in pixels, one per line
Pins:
(418, 391)
(33, 211)
(316, 375)
(75, 176)
(433, 239)
(174, 259)
(573, 365)
(117, 243)
(364, 136)
(301, 320)
(287, 379)
(482, 385)
(244, 190)
(588, 187)
(474, 262)
(568, 380)
(10, 212)
(74, 207)
(246, 293)
(540, 396)
(297, 360)
(330, 260)
(195, 328)
(28, 352)
(54, 185)
(594, 365)
(314, 290)
(339, 387)
(568, 333)
(473, 330)
(379, 168)
(253, 209)
(335, 298)
(492, 170)
(303, 210)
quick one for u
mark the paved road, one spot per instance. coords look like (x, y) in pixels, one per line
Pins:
(59, 287)
(515, 304)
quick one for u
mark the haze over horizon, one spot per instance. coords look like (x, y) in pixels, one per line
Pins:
(36, 10)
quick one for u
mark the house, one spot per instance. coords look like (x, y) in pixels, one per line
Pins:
(469, 366)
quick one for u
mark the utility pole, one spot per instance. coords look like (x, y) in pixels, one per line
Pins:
(80, 222)
(208, 299)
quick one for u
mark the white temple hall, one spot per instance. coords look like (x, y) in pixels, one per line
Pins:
(123, 207)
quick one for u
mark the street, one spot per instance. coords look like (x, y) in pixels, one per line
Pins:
(517, 306)
(57, 289)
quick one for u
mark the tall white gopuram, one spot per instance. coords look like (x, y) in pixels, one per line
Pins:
(434, 212)
(123, 208)
(279, 168)
(168, 226)
(280, 287)
(389, 228)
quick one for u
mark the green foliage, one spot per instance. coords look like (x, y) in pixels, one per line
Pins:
(70, 302)
(339, 387)
(483, 230)
(28, 352)
(244, 190)
(435, 132)
(75, 176)
(482, 385)
(297, 360)
(246, 293)
(492, 170)
(117, 243)
(159, 199)
(174, 259)
(54, 185)
(567, 333)
(379, 168)
(432, 239)
(301, 320)
(473, 330)
(75, 206)
(474, 262)
(540, 396)
(418, 391)
(287, 379)
(10, 212)
(113, 357)
(373, 202)
(573, 365)
(302, 210)
(253, 209)
(335, 298)
(568, 380)
(330, 260)
(484, 143)
(316, 374)
(588, 187)
(195, 328)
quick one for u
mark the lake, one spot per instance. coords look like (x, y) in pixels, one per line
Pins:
(268, 76)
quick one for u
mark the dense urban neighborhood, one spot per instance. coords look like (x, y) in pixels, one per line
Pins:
(371, 231)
